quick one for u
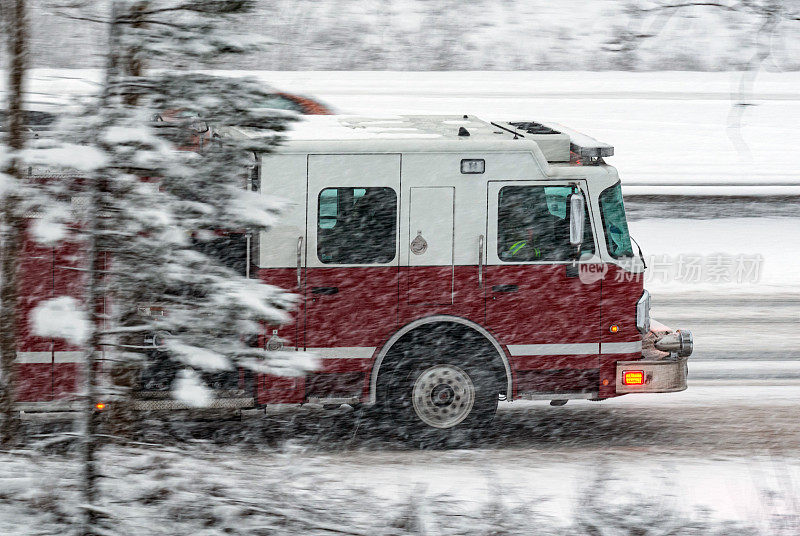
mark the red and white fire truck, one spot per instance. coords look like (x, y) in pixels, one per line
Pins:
(443, 264)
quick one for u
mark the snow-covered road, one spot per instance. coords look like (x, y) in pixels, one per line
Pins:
(711, 455)
(707, 418)
(713, 446)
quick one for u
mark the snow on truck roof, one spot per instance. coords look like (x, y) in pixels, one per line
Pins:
(433, 133)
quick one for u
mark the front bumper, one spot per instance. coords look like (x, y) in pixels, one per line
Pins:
(660, 376)
(664, 363)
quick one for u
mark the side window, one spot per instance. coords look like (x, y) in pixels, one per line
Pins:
(356, 225)
(533, 224)
(328, 208)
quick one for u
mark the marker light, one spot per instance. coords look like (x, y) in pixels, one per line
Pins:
(472, 166)
(100, 406)
(614, 328)
(633, 377)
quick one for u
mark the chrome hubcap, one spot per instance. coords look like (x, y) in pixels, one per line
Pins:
(443, 396)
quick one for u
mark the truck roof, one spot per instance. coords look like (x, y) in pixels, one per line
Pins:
(431, 133)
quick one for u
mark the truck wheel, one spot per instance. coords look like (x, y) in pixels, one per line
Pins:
(443, 396)
(444, 400)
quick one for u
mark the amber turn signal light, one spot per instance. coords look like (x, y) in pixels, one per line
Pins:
(100, 406)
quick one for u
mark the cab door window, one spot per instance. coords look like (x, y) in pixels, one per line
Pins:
(533, 224)
(357, 225)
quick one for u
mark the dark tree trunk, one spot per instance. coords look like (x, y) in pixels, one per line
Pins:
(13, 224)
(132, 58)
(96, 265)
(94, 294)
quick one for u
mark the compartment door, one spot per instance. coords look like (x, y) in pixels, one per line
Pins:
(430, 241)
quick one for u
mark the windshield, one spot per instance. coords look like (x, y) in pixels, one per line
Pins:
(615, 226)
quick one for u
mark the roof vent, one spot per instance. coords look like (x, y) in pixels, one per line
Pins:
(463, 131)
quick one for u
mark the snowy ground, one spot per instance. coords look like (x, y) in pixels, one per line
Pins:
(288, 493)
(703, 458)
(743, 318)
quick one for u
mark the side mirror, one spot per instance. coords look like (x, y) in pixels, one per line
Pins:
(576, 210)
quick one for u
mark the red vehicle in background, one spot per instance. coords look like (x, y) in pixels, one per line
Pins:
(199, 133)
(297, 103)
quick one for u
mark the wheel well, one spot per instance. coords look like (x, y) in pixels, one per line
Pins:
(440, 334)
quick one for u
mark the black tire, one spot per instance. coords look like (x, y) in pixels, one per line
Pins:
(441, 391)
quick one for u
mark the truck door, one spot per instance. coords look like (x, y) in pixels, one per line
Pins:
(351, 270)
(536, 304)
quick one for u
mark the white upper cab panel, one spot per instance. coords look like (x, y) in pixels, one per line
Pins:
(431, 149)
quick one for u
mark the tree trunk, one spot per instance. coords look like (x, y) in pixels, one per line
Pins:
(13, 228)
(95, 292)
(93, 296)
(124, 375)
(132, 57)
(13, 224)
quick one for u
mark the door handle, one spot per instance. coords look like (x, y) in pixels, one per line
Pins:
(325, 291)
(505, 288)
(299, 261)
(480, 261)
(572, 270)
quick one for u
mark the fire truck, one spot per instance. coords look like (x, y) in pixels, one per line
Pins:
(443, 263)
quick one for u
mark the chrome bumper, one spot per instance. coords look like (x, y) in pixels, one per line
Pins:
(665, 356)
(660, 376)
